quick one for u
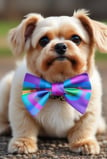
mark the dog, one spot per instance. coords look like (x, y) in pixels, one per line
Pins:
(57, 48)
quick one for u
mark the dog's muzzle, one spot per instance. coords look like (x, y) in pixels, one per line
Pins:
(60, 48)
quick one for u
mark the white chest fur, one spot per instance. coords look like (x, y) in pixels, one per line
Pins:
(57, 117)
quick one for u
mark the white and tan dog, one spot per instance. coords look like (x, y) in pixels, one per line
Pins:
(79, 36)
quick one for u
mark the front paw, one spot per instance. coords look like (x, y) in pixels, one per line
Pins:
(85, 147)
(22, 146)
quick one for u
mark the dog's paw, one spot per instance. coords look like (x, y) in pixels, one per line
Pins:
(22, 146)
(86, 147)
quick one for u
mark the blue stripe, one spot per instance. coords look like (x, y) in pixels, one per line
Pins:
(88, 96)
(34, 111)
(26, 102)
(44, 99)
(84, 85)
(28, 85)
(45, 84)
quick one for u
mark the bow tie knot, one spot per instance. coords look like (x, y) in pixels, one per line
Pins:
(57, 89)
(36, 91)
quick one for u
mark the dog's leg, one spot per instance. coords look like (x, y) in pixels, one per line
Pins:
(25, 131)
(82, 136)
(5, 85)
(24, 126)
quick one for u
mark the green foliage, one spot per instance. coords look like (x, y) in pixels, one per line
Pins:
(5, 26)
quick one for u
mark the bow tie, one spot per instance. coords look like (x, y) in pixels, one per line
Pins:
(36, 92)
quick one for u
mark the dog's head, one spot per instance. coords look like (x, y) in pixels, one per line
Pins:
(59, 47)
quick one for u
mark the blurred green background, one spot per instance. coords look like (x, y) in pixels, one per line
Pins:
(5, 26)
(12, 11)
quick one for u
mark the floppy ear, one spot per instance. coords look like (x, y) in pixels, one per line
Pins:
(19, 37)
(100, 35)
(97, 30)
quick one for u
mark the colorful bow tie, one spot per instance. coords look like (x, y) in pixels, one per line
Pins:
(36, 91)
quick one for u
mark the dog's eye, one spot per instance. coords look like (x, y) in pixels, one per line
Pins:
(76, 39)
(44, 41)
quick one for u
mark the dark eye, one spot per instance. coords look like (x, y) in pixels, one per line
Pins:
(44, 41)
(76, 39)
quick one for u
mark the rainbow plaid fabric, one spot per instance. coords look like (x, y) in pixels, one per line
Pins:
(36, 92)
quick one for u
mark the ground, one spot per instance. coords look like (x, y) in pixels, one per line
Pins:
(56, 148)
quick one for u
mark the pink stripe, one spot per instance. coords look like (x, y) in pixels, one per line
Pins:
(38, 106)
(33, 101)
(86, 90)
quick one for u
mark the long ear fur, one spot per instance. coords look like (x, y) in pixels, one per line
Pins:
(97, 30)
(100, 34)
(19, 37)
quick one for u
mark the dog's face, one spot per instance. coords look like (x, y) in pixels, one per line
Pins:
(58, 47)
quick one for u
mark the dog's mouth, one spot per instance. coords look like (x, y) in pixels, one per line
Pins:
(58, 68)
(61, 59)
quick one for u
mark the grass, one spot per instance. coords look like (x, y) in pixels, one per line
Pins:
(5, 26)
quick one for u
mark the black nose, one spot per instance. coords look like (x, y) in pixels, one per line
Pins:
(60, 48)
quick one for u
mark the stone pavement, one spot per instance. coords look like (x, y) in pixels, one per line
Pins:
(56, 148)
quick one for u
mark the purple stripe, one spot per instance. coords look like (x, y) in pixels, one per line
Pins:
(80, 78)
(32, 79)
(80, 104)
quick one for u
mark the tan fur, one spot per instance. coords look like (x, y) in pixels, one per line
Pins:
(87, 146)
(57, 118)
(21, 145)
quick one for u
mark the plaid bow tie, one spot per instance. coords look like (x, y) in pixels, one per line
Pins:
(36, 91)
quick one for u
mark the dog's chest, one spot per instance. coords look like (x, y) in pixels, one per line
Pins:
(56, 118)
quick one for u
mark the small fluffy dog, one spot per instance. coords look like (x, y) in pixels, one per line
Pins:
(76, 39)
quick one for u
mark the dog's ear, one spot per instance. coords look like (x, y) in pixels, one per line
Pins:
(97, 30)
(19, 37)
